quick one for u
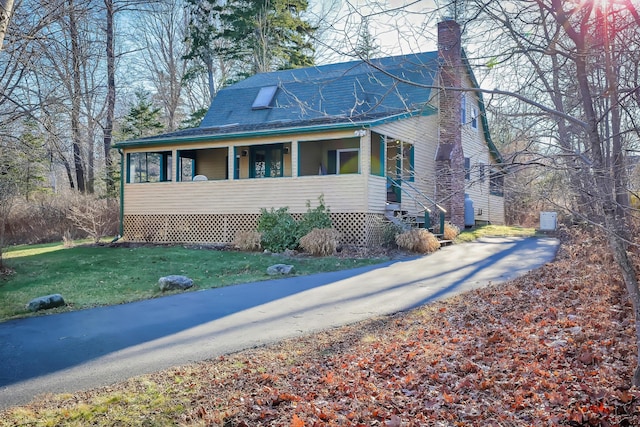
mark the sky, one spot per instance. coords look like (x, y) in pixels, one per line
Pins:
(397, 26)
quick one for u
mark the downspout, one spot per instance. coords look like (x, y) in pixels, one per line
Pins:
(121, 192)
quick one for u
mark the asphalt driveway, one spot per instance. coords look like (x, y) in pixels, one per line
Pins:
(90, 348)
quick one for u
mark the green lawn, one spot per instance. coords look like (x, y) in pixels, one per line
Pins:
(494, 230)
(89, 276)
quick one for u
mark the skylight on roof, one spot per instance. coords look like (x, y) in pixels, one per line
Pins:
(264, 97)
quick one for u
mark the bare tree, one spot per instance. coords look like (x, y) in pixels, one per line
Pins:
(6, 10)
(8, 191)
(568, 63)
(164, 31)
(568, 72)
(111, 94)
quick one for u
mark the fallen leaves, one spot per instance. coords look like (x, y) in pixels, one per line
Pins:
(546, 349)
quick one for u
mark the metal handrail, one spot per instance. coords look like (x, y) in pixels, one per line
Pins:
(401, 182)
(395, 183)
(427, 211)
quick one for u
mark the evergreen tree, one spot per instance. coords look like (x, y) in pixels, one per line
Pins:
(194, 119)
(256, 35)
(30, 160)
(143, 118)
(366, 47)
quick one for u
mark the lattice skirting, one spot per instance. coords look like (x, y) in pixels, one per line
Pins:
(362, 229)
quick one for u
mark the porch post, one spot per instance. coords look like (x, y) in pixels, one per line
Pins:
(365, 151)
(295, 161)
(231, 162)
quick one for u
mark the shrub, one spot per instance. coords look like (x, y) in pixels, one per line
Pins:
(418, 240)
(318, 217)
(67, 240)
(450, 232)
(247, 240)
(39, 220)
(320, 241)
(48, 217)
(279, 230)
(98, 217)
(388, 234)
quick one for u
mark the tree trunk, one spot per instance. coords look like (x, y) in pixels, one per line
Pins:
(75, 100)
(210, 77)
(111, 98)
(6, 10)
(618, 244)
(67, 169)
(608, 180)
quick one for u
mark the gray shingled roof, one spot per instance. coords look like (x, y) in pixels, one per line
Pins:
(349, 93)
(345, 91)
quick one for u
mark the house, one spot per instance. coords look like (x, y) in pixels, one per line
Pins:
(393, 137)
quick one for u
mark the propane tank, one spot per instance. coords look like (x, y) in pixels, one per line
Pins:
(469, 213)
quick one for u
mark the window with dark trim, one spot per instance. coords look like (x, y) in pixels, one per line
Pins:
(496, 183)
(467, 168)
(186, 165)
(474, 117)
(463, 108)
(149, 167)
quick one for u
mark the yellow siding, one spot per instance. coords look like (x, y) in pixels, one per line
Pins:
(329, 134)
(377, 191)
(342, 193)
(308, 163)
(423, 133)
(475, 147)
(212, 163)
(496, 209)
(286, 160)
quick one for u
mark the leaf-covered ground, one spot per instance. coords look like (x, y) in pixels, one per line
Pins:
(553, 348)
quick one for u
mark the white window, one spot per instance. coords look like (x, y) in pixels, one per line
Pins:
(463, 109)
(467, 168)
(474, 117)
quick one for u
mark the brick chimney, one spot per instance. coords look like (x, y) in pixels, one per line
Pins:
(450, 157)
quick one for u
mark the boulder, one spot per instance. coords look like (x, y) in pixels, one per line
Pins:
(279, 269)
(174, 282)
(46, 302)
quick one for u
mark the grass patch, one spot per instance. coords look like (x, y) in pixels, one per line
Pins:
(90, 276)
(140, 403)
(494, 231)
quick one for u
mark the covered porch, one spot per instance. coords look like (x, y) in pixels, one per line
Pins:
(207, 192)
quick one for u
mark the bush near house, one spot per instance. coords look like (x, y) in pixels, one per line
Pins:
(318, 217)
(450, 232)
(248, 241)
(320, 241)
(280, 231)
(388, 234)
(418, 240)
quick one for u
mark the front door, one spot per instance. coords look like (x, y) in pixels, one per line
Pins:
(266, 161)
